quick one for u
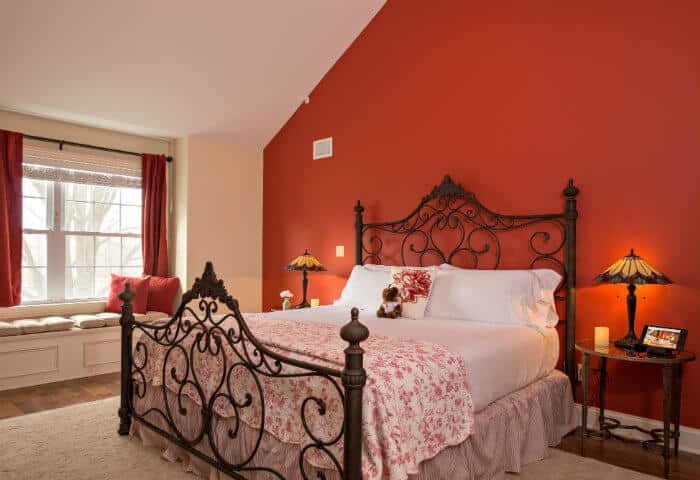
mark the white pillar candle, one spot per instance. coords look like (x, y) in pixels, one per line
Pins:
(315, 302)
(602, 336)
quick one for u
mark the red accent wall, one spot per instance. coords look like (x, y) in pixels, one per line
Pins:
(512, 99)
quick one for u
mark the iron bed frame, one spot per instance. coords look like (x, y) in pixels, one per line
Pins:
(447, 207)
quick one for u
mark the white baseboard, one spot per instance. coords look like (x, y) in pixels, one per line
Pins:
(689, 441)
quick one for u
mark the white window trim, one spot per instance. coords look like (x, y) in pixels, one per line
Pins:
(56, 251)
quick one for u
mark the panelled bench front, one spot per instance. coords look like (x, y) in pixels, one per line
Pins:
(52, 349)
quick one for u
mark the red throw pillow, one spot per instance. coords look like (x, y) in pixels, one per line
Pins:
(161, 294)
(137, 285)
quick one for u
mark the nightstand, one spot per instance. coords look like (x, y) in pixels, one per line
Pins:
(672, 367)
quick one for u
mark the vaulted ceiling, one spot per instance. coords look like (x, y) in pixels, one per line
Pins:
(230, 68)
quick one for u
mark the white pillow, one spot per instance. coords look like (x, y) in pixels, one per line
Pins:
(495, 296)
(364, 287)
(376, 267)
(415, 285)
(546, 283)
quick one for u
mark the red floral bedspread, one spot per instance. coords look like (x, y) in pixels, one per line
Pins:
(416, 401)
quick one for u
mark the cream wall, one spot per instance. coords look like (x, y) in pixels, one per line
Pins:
(43, 127)
(177, 242)
(221, 220)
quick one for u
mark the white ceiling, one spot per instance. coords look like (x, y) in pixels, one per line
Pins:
(169, 68)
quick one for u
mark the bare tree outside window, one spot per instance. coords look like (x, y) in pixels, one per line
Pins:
(75, 236)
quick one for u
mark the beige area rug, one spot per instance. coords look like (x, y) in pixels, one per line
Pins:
(80, 442)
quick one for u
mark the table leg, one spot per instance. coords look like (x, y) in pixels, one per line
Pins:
(667, 379)
(584, 403)
(601, 393)
(677, 407)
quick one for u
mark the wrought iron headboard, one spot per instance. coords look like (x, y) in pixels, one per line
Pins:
(448, 208)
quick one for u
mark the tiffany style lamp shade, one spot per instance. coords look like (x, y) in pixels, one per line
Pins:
(305, 263)
(632, 270)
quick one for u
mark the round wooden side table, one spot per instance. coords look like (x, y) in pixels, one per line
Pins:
(672, 378)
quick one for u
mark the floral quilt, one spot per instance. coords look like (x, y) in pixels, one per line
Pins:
(416, 401)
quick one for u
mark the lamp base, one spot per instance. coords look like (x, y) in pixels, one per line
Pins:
(629, 342)
(303, 304)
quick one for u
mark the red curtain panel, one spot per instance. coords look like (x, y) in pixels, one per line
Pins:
(153, 233)
(10, 218)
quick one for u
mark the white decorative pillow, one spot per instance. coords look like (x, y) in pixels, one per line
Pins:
(496, 296)
(364, 287)
(415, 285)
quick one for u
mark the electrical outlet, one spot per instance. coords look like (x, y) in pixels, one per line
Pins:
(579, 372)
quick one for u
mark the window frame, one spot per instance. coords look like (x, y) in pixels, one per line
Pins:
(50, 225)
(56, 246)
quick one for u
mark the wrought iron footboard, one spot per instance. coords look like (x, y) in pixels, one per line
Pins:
(194, 331)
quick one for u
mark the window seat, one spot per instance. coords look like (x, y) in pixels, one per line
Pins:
(53, 349)
(30, 326)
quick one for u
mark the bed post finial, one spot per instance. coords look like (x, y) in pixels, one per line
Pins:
(354, 377)
(571, 214)
(126, 322)
(571, 190)
(358, 232)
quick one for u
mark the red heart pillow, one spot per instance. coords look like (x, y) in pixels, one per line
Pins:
(161, 294)
(137, 285)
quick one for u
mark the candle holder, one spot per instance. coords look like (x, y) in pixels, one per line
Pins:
(601, 337)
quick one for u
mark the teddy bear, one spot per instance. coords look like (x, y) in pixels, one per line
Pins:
(391, 304)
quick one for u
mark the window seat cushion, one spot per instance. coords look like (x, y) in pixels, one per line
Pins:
(150, 316)
(28, 326)
(88, 321)
(56, 324)
(111, 319)
(8, 329)
(46, 324)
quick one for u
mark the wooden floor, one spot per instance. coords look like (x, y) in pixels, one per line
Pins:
(54, 395)
(625, 454)
(633, 456)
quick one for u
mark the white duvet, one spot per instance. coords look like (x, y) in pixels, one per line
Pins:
(500, 358)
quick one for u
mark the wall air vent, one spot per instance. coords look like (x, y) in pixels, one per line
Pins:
(323, 148)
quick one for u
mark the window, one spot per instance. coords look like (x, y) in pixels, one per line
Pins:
(76, 235)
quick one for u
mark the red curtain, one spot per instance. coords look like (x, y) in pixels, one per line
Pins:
(153, 232)
(10, 218)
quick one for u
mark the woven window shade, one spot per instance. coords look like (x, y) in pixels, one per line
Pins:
(71, 165)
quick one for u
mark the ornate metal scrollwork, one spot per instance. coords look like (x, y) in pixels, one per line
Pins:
(477, 232)
(245, 364)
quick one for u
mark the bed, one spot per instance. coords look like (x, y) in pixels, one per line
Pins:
(282, 395)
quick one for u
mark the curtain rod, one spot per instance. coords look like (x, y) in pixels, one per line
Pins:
(84, 145)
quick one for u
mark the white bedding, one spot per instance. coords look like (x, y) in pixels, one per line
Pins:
(500, 358)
